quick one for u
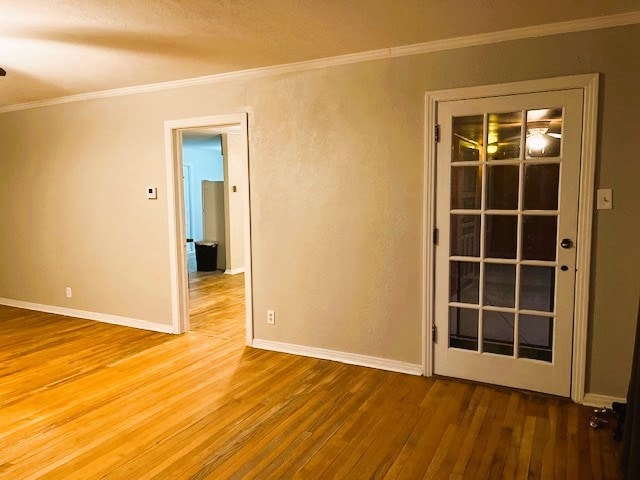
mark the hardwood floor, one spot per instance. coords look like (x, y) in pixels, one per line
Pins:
(217, 304)
(84, 400)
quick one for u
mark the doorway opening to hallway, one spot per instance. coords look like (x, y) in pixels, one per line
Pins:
(209, 184)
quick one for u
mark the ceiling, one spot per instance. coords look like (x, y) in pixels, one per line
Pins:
(201, 139)
(63, 47)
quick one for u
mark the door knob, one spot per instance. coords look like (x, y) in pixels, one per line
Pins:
(566, 243)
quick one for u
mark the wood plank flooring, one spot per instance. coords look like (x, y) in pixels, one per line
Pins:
(84, 400)
(217, 304)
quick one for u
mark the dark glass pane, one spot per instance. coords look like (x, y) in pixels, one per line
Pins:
(504, 135)
(544, 132)
(466, 187)
(465, 235)
(501, 236)
(536, 337)
(464, 282)
(463, 328)
(541, 186)
(499, 285)
(497, 332)
(539, 238)
(537, 288)
(502, 187)
(468, 138)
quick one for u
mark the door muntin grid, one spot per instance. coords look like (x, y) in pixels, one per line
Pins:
(503, 232)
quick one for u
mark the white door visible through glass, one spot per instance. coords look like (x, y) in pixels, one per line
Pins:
(507, 201)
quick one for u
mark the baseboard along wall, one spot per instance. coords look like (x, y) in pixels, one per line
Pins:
(234, 271)
(600, 401)
(83, 314)
(590, 399)
(342, 357)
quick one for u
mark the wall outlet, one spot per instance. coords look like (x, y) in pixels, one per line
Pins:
(271, 317)
(69, 292)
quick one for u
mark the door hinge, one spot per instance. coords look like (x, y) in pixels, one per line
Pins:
(436, 133)
(436, 236)
(434, 334)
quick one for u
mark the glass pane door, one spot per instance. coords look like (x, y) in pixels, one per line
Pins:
(504, 223)
(504, 191)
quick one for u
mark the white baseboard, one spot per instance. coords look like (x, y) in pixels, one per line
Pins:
(343, 357)
(234, 271)
(98, 317)
(596, 400)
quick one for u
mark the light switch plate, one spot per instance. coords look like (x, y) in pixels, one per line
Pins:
(605, 199)
(152, 193)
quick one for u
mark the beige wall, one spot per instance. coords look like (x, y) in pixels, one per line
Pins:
(336, 184)
(234, 205)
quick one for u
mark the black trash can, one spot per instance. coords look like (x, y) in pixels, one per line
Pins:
(206, 256)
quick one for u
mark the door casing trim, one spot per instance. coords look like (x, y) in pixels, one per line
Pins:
(175, 210)
(589, 84)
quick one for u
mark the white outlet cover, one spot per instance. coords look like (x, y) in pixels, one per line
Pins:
(152, 193)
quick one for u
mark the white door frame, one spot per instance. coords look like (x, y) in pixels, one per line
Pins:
(589, 84)
(175, 211)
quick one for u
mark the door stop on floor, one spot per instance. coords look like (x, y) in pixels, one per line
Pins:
(602, 416)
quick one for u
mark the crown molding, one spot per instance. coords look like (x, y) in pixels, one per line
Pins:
(586, 24)
(206, 80)
(571, 26)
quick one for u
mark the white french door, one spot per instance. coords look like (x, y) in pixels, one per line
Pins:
(507, 188)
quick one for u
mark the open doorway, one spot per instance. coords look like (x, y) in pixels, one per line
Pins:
(208, 183)
(212, 179)
(214, 213)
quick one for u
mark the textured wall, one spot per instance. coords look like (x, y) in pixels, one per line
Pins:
(336, 159)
